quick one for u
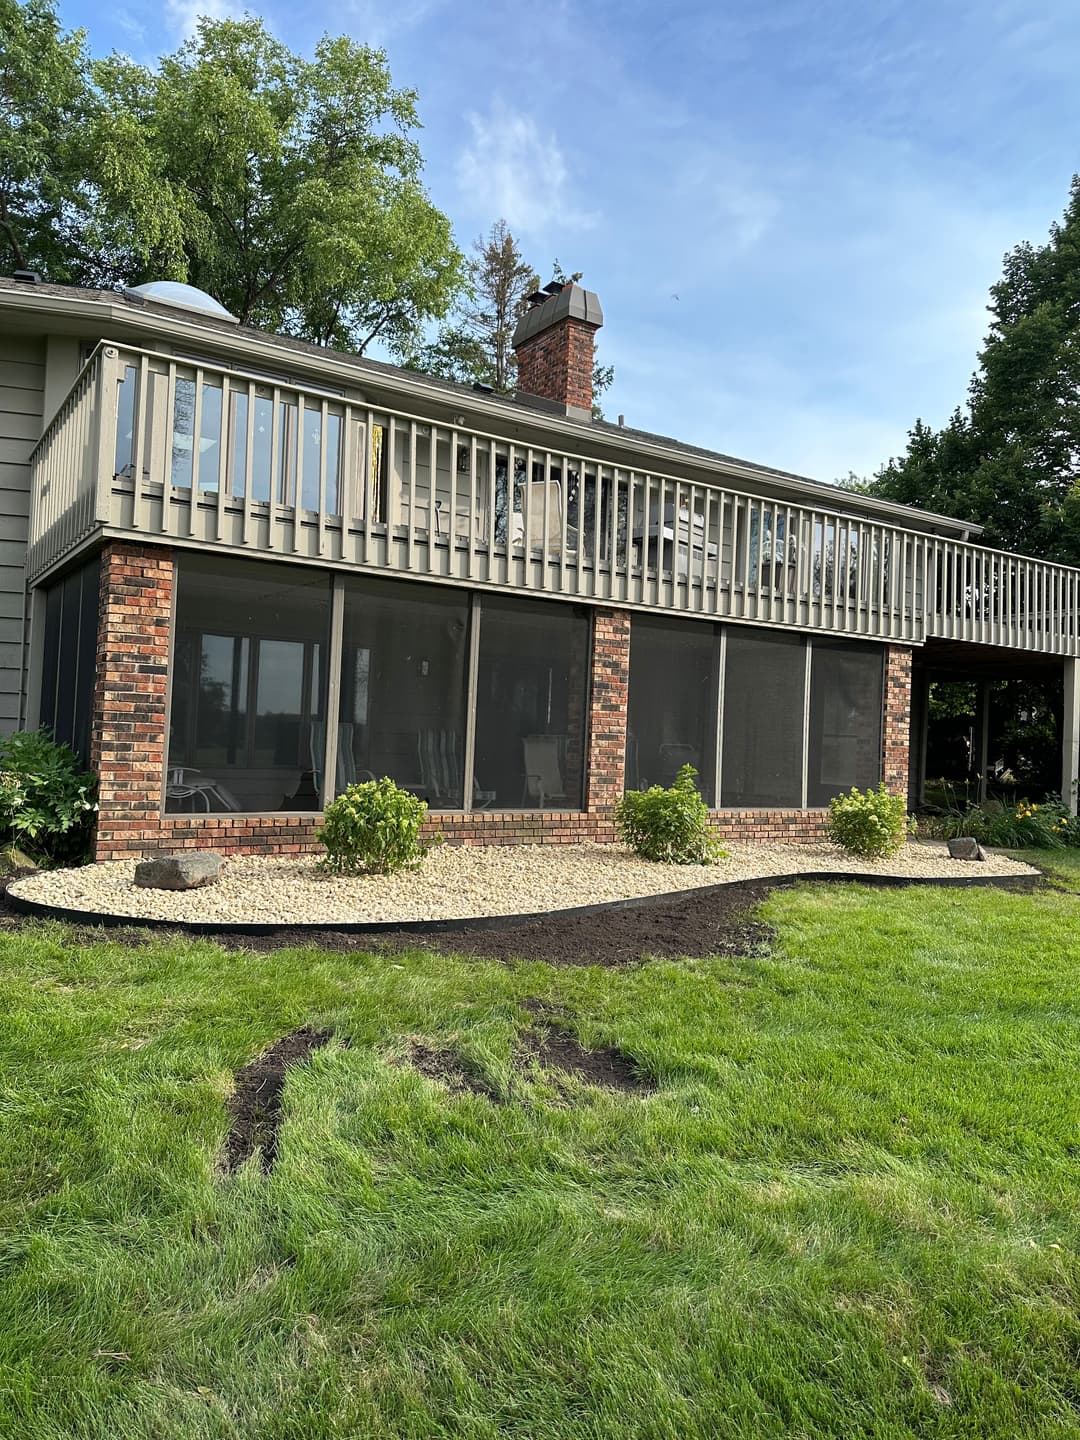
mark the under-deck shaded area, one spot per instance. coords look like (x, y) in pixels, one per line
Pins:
(1019, 735)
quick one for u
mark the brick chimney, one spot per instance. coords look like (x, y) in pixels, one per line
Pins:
(553, 342)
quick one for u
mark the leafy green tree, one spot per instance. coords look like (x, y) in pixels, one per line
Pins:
(296, 183)
(76, 199)
(1011, 460)
(288, 188)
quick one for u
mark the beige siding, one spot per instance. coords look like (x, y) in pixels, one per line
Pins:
(22, 387)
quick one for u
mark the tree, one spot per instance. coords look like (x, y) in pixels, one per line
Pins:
(75, 199)
(1011, 461)
(475, 347)
(288, 188)
(297, 184)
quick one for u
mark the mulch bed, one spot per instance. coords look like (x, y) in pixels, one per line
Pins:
(720, 922)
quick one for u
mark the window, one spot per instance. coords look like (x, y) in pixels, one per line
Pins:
(672, 709)
(247, 724)
(764, 720)
(530, 705)
(846, 692)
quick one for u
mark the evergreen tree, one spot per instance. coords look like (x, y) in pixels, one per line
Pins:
(475, 346)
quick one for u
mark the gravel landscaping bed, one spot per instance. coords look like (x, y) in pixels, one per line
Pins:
(460, 882)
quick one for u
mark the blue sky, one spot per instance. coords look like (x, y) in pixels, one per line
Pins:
(792, 211)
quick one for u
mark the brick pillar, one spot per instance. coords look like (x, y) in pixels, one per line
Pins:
(896, 727)
(130, 723)
(607, 713)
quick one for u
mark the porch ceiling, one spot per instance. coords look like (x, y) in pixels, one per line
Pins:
(960, 660)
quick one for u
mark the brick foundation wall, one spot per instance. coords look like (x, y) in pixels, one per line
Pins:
(896, 729)
(130, 723)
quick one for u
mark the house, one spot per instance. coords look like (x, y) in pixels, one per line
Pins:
(239, 571)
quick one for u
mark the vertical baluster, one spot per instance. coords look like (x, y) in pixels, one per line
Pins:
(564, 500)
(527, 516)
(324, 447)
(491, 502)
(473, 512)
(389, 495)
(661, 507)
(223, 461)
(451, 529)
(297, 488)
(407, 491)
(646, 505)
(170, 422)
(545, 521)
(249, 459)
(706, 521)
(433, 512)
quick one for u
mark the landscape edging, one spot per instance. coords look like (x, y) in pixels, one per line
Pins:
(91, 918)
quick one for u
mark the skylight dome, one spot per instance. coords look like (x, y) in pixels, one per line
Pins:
(183, 297)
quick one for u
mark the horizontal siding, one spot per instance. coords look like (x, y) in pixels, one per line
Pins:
(22, 397)
(14, 504)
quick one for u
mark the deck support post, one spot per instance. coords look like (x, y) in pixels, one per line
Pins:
(1070, 735)
(981, 747)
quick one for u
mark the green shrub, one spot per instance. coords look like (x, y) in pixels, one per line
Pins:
(669, 825)
(47, 800)
(373, 829)
(868, 823)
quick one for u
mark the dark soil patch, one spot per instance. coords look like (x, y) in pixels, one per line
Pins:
(719, 922)
(449, 1069)
(558, 1052)
(255, 1105)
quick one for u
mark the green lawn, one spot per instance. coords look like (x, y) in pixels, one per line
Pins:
(851, 1208)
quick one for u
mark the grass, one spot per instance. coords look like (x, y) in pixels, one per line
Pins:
(850, 1209)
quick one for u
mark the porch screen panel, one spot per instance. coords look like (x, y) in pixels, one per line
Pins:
(532, 680)
(247, 727)
(763, 721)
(671, 718)
(846, 695)
(69, 657)
(402, 712)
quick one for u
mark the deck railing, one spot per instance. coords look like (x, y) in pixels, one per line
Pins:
(154, 446)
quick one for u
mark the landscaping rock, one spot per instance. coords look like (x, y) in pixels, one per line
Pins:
(179, 872)
(966, 847)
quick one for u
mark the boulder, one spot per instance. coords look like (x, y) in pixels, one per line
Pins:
(966, 847)
(179, 872)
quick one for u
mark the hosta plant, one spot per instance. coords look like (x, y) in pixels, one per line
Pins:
(47, 799)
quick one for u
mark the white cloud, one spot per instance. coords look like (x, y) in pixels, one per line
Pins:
(510, 169)
(184, 15)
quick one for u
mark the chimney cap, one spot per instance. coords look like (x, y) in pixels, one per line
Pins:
(569, 302)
